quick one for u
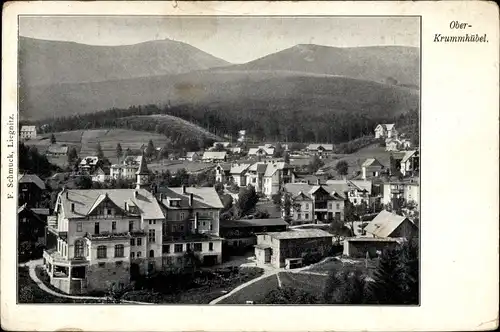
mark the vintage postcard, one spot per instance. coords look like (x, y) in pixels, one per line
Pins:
(249, 166)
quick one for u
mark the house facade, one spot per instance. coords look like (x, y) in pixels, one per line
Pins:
(276, 248)
(27, 132)
(30, 190)
(240, 234)
(391, 225)
(268, 177)
(214, 156)
(57, 150)
(371, 168)
(127, 169)
(222, 172)
(313, 203)
(321, 150)
(89, 164)
(192, 156)
(409, 190)
(191, 225)
(410, 163)
(238, 173)
(101, 238)
(101, 175)
(386, 130)
(357, 192)
(264, 151)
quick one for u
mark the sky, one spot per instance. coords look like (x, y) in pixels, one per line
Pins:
(234, 39)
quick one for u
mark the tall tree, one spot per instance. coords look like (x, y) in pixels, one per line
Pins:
(342, 167)
(72, 155)
(396, 279)
(119, 151)
(345, 287)
(100, 153)
(150, 150)
(247, 200)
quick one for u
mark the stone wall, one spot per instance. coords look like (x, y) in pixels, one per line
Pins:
(102, 278)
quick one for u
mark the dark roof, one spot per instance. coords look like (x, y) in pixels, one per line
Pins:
(253, 223)
(32, 178)
(143, 167)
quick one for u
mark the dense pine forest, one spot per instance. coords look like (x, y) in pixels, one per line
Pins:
(261, 125)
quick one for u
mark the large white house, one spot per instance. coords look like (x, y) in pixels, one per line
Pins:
(269, 177)
(356, 191)
(386, 130)
(127, 169)
(102, 238)
(27, 132)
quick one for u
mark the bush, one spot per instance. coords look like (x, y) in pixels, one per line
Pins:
(311, 258)
(287, 295)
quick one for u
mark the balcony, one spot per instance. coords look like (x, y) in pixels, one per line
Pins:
(106, 236)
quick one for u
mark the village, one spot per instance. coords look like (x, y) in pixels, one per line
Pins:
(270, 208)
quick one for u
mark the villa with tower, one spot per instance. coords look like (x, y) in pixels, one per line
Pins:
(99, 239)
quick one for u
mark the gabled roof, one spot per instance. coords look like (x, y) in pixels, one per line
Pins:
(346, 185)
(239, 168)
(191, 154)
(385, 223)
(90, 160)
(85, 200)
(28, 128)
(224, 166)
(315, 147)
(408, 155)
(386, 126)
(259, 167)
(262, 150)
(371, 162)
(56, 148)
(31, 178)
(214, 155)
(274, 167)
(296, 188)
(299, 234)
(203, 197)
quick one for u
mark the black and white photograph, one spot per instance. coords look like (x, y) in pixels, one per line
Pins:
(219, 160)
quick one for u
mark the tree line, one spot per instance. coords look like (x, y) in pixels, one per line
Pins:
(261, 124)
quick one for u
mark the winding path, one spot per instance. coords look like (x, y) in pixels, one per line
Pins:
(31, 265)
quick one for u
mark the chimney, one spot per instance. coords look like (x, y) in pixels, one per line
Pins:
(318, 181)
(308, 182)
(196, 222)
(72, 207)
(136, 193)
(364, 173)
(183, 188)
(191, 199)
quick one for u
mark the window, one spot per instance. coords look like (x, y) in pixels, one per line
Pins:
(179, 260)
(132, 242)
(299, 216)
(139, 241)
(204, 223)
(78, 226)
(119, 250)
(307, 216)
(338, 205)
(330, 206)
(96, 228)
(307, 206)
(139, 254)
(182, 215)
(178, 248)
(211, 227)
(113, 225)
(79, 251)
(151, 237)
(132, 254)
(355, 201)
(166, 248)
(197, 247)
(109, 212)
(210, 246)
(101, 251)
(170, 261)
(130, 226)
(151, 253)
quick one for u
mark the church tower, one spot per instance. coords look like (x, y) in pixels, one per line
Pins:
(142, 174)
